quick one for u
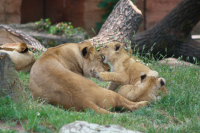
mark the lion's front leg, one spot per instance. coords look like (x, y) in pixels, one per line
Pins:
(113, 76)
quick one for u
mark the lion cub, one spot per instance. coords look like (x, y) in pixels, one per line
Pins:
(125, 70)
(146, 90)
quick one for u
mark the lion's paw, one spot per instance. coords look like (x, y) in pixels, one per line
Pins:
(142, 104)
(102, 76)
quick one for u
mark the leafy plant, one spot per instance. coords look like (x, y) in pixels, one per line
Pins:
(43, 24)
(58, 29)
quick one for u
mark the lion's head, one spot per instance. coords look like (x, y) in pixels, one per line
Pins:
(151, 81)
(93, 63)
(19, 47)
(151, 86)
(111, 51)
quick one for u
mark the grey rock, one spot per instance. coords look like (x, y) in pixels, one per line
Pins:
(9, 78)
(173, 62)
(85, 127)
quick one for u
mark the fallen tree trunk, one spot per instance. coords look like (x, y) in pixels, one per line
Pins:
(172, 35)
(121, 25)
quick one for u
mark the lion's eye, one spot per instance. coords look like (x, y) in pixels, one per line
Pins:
(105, 47)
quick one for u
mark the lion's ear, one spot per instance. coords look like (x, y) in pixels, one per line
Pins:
(91, 53)
(84, 51)
(162, 81)
(118, 47)
(143, 76)
(88, 53)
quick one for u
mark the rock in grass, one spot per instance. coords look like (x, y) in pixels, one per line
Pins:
(9, 78)
(85, 127)
(173, 62)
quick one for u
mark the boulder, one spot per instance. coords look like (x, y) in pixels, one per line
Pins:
(85, 127)
(173, 62)
(9, 78)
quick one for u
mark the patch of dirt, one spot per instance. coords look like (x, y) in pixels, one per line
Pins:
(18, 127)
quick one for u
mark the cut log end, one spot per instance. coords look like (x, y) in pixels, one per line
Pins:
(120, 26)
(135, 8)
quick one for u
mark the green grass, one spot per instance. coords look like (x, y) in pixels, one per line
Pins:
(179, 111)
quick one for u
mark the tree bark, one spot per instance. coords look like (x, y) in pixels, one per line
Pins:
(172, 35)
(121, 25)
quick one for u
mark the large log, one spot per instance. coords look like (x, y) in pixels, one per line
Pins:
(172, 35)
(121, 25)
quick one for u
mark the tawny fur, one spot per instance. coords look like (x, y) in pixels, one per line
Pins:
(57, 77)
(145, 90)
(19, 53)
(125, 70)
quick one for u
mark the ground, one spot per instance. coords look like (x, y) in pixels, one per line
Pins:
(179, 111)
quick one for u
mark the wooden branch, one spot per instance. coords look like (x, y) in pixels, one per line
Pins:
(172, 35)
(121, 25)
(189, 50)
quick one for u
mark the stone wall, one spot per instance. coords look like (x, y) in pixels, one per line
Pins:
(92, 15)
(10, 11)
(31, 10)
(81, 13)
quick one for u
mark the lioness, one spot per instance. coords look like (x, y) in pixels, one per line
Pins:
(57, 76)
(125, 70)
(20, 54)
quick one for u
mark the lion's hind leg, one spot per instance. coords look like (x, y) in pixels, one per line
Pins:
(133, 93)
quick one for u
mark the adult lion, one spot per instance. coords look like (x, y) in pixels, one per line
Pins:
(20, 54)
(57, 76)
